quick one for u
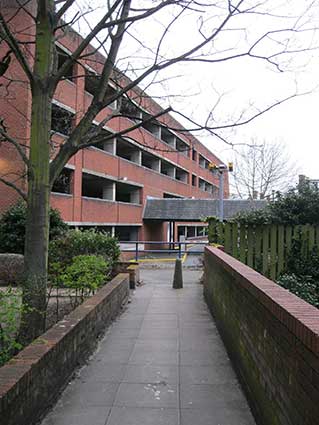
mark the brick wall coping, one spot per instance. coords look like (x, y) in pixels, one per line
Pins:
(301, 318)
(31, 380)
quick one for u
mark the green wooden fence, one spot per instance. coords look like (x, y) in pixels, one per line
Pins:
(265, 248)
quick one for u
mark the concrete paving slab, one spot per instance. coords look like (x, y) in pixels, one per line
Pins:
(208, 396)
(151, 374)
(140, 356)
(104, 373)
(85, 395)
(143, 416)
(217, 416)
(161, 363)
(157, 345)
(190, 375)
(147, 395)
(93, 416)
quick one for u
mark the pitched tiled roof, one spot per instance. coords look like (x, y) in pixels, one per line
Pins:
(195, 209)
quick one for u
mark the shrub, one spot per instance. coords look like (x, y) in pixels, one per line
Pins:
(10, 311)
(85, 275)
(297, 206)
(86, 242)
(11, 269)
(12, 228)
(301, 276)
(302, 264)
(302, 286)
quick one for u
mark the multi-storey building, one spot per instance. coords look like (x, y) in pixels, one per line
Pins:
(106, 185)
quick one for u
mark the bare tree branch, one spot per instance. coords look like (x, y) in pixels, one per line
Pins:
(14, 186)
(9, 38)
(64, 9)
(19, 148)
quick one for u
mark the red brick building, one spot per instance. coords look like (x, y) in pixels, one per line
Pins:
(105, 185)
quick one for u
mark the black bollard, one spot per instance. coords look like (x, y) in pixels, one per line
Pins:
(178, 275)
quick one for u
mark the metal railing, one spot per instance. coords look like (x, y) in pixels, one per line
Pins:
(179, 248)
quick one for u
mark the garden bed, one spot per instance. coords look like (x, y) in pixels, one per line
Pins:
(31, 381)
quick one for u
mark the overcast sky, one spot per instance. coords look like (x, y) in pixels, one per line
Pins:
(243, 84)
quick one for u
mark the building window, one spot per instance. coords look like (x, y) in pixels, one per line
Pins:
(62, 57)
(181, 175)
(151, 125)
(91, 81)
(63, 184)
(194, 180)
(201, 184)
(167, 169)
(126, 233)
(130, 110)
(194, 155)
(168, 137)
(203, 162)
(128, 193)
(182, 147)
(171, 196)
(91, 84)
(61, 120)
(151, 162)
(128, 151)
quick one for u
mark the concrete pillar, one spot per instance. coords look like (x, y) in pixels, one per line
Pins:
(110, 146)
(137, 157)
(172, 142)
(171, 172)
(135, 197)
(156, 165)
(109, 191)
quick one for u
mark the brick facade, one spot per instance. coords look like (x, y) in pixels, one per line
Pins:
(123, 183)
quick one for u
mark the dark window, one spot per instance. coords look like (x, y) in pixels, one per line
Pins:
(194, 180)
(91, 84)
(194, 155)
(62, 120)
(129, 109)
(62, 57)
(182, 147)
(63, 184)
(92, 186)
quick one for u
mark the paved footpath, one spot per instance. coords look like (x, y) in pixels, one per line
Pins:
(161, 363)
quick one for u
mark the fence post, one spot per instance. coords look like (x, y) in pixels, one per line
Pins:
(136, 251)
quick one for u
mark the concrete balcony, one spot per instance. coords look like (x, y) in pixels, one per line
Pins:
(98, 211)
(64, 203)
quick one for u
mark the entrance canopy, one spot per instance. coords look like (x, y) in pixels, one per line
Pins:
(195, 209)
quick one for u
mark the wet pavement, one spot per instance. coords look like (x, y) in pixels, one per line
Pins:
(162, 362)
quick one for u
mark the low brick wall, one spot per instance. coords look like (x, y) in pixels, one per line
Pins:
(272, 337)
(31, 381)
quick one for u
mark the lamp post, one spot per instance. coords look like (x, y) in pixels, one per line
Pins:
(221, 169)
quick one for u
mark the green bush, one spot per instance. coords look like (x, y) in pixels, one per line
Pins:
(85, 275)
(302, 286)
(297, 206)
(10, 311)
(12, 228)
(301, 276)
(86, 242)
(302, 264)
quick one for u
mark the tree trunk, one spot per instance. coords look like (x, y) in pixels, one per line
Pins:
(37, 223)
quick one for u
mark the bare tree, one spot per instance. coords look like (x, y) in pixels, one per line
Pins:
(261, 168)
(34, 48)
